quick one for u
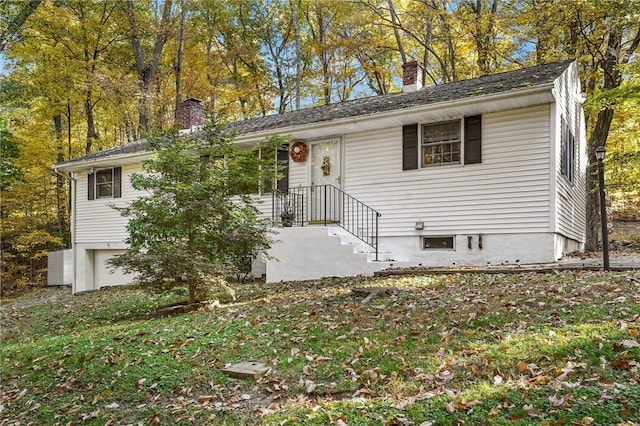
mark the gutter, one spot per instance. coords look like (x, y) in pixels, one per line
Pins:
(74, 166)
(74, 254)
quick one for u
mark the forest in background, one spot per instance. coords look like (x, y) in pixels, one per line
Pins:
(88, 75)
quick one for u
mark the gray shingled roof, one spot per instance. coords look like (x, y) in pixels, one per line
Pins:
(485, 85)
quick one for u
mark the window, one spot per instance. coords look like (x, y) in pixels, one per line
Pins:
(437, 243)
(567, 151)
(275, 164)
(105, 183)
(441, 143)
(283, 169)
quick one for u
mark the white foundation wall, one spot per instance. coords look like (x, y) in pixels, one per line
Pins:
(306, 253)
(564, 246)
(497, 249)
(316, 252)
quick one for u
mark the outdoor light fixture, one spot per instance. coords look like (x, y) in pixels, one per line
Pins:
(603, 208)
(419, 226)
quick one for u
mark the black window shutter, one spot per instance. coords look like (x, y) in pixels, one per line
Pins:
(117, 179)
(410, 147)
(473, 139)
(91, 179)
(283, 168)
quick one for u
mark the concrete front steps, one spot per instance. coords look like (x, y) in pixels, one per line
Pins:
(314, 252)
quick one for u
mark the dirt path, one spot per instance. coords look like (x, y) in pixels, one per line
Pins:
(38, 297)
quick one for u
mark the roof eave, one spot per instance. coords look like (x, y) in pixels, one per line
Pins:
(108, 161)
(546, 87)
(121, 159)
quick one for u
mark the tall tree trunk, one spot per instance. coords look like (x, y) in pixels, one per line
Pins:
(324, 58)
(396, 31)
(449, 72)
(428, 33)
(319, 36)
(613, 56)
(177, 68)
(483, 29)
(598, 138)
(60, 204)
(146, 70)
(210, 77)
(92, 133)
(295, 13)
(612, 79)
(69, 146)
(69, 155)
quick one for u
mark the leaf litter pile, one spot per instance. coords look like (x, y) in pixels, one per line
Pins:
(553, 349)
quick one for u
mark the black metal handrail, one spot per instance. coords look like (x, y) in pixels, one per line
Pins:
(327, 205)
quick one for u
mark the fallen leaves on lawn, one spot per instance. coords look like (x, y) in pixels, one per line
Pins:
(448, 337)
(563, 401)
(626, 344)
(532, 411)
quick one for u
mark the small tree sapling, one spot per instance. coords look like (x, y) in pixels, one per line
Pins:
(196, 216)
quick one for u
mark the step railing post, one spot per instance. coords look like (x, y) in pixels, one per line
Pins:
(376, 246)
(325, 205)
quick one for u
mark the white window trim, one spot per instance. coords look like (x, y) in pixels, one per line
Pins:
(96, 193)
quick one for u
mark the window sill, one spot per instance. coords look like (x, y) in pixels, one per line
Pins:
(437, 166)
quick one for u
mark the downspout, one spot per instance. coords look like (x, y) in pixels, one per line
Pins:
(72, 228)
(555, 134)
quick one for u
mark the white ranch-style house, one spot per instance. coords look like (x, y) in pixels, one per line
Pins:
(479, 172)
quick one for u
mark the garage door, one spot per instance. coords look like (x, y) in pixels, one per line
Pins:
(103, 273)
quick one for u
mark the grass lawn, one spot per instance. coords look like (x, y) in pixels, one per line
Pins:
(552, 349)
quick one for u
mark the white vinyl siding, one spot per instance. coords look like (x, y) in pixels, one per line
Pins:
(570, 196)
(95, 220)
(508, 192)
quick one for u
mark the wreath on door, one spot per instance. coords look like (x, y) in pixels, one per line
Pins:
(299, 152)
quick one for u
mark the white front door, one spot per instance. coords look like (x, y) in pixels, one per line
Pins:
(326, 173)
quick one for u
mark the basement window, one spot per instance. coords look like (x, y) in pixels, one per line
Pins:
(438, 243)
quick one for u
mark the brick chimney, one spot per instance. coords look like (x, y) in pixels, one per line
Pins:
(411, 76)
(190, 113)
